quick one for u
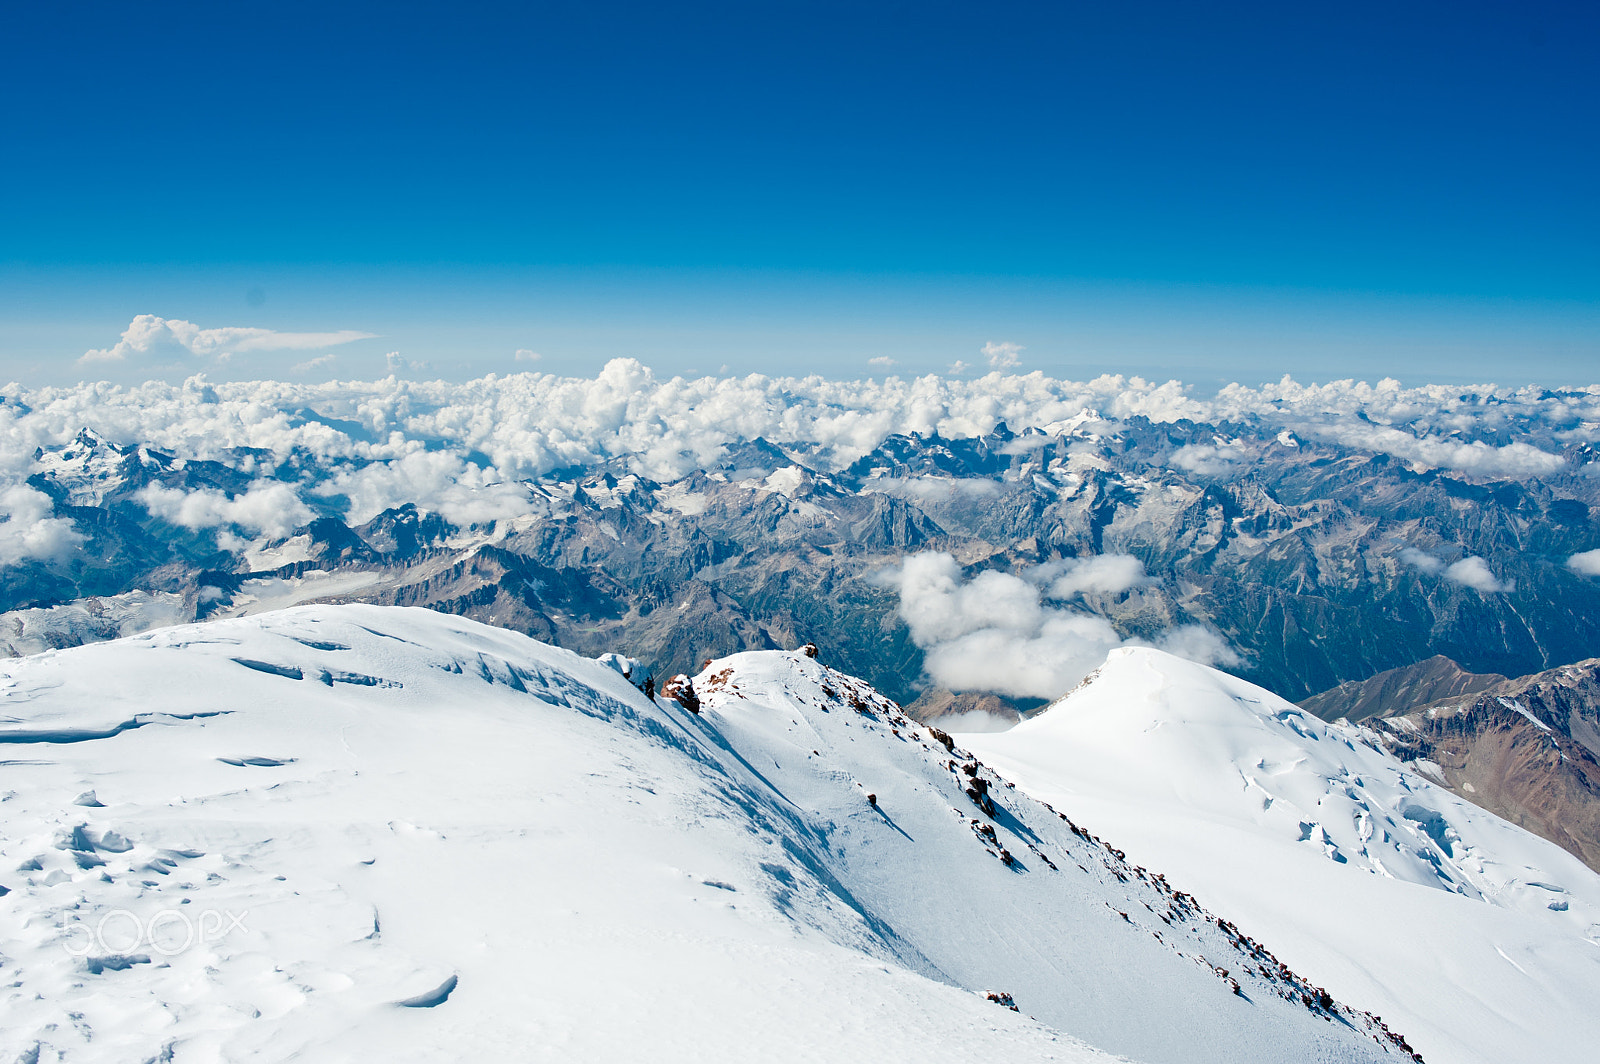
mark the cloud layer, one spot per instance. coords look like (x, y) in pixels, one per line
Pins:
(462, 448)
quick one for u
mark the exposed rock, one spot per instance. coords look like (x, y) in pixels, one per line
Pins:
(1527, 750)
(1397, 690)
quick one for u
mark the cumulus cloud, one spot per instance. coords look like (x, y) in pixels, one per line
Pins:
(156, 340)
(1002, 355)
(1421, 559)
(1102, 574)
(993, 632)
(525, 355)
(530, 424)
(436, 481)
(1512, 460)
(1471, 571)
(958, 368)
(271, 508)
(1587, 563)
(882, 362)
(396, 363)
(1474, 572)
(1221, 459)
(29, 529)
(527, 425)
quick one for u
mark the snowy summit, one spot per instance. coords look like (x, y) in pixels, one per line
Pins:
(365, 833)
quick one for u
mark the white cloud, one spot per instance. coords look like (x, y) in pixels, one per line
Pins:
(312, 364)
(1198, 643)
(1101, 574)
(958, 368)
(435, 480)
(1421, 559)
(1474, 572)
(974, 721)
(29, 529)
(1002, 355)
(931, 491)
(530, 424)
(664, 427)
(271, 508)
(1512, 460)
(395, 363)
(1587, 563)
(1208, 459)
(992, 633)
(154, 340)
(524, 355)
(881, 361)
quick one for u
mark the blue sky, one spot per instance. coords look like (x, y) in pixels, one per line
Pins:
(1202, 191)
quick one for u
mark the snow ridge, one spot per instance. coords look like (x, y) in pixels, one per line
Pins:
(385, 832)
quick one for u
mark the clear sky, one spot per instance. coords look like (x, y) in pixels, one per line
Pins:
(1208, 191)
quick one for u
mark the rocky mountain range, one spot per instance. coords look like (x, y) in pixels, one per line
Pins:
(1316, 563)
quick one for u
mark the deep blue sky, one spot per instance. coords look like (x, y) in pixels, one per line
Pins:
(1196, 190)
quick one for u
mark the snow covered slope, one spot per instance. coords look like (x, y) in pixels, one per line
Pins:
(1476, 938)
(359, 833)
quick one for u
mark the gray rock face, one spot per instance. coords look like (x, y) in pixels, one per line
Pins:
(1320, 564)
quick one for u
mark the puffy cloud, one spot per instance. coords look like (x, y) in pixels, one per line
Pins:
(1587, 563)
(1221, 459)
(881, 361)
(525, 355)
(1421, 559)
(1102, 574)
(1510, 461)
(529, 424)
(397, 364)
(1474, 572)
(29, 529)
(1471, 571)
(152, 339)
(434, 480)
(1002, 355)
(992, 632)
(271, 508)
(1198, 643)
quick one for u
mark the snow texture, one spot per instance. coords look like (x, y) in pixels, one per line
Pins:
(1476, 938)
(367, 833)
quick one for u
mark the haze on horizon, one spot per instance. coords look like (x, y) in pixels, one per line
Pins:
(1232, 193)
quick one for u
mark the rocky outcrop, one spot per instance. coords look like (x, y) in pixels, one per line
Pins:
(1398, 690)
(1527, 750)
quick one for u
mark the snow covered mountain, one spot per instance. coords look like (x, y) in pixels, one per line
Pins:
(361, 833)
(1479, 940)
